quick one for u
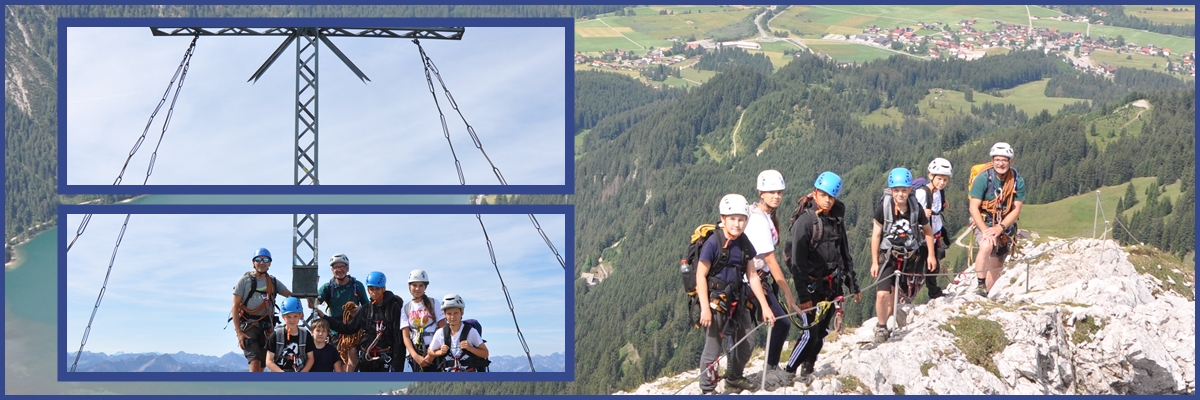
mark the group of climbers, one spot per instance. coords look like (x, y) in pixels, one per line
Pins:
(367, 329)
(908, 238)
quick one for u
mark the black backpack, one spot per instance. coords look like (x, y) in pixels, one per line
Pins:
(333, 284)
(803, 204)
(281, 344)
(691, 260)
(468, 362)
(910, 241)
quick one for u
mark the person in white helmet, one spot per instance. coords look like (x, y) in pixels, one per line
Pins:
(340, 289)
(996, 198)
(422, 317)
(932, 197)
(762, 228)
(459, 345)
(724, 264)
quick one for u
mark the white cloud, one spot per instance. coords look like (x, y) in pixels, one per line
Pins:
(170, 289)
(508, 82)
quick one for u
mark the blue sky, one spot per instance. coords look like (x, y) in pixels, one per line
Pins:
(509, 83)
(171, 286)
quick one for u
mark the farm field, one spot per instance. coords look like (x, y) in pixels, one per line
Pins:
(1187, 14)
(816, 21)
(1136, 60)
(847, 52)
(648, 28)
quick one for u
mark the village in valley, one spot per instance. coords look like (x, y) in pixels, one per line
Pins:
(966, 39)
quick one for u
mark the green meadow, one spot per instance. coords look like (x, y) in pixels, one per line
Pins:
(1186, 15)
(848, 52)
(1074, 216)
(940, 104)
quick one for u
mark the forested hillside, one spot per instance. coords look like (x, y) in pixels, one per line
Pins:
(640, 194)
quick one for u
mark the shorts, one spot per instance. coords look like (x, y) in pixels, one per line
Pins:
(254, 348)
(999, 250)
(887, 268)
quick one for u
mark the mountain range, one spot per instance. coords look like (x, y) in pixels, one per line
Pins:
(235, 362)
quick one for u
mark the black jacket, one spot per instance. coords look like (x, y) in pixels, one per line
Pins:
(820, 249)
(387, 313)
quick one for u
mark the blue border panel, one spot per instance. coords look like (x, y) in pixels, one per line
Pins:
(569, 305)
(568, 187)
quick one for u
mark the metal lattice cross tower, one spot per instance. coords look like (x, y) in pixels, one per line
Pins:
(308, 41)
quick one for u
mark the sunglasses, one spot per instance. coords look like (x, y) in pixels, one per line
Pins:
(262, 260)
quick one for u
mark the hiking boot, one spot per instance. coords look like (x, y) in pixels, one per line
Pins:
(981, 291)
(881, 334)
(739, 383)
(806, 368)
(935, 292)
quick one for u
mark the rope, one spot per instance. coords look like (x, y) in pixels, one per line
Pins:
(346, 342)
(750, 332)
(180, 74)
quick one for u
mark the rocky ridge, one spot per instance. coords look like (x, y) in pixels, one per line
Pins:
(1089, 323)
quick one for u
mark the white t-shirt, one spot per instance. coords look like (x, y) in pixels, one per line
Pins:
(473, 339)
(936, 218)
(762, 234)
(419, 319)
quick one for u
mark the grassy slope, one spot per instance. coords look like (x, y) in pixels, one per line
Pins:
(1073, 216)
(1029, 97)
(1108, 127)
(1135, 60)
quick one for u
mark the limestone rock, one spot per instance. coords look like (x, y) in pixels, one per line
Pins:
(1088, 323)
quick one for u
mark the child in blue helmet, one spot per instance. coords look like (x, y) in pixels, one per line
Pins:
(253, 308)
(820, 262)
(290, 347)
(900, 230)
(381, 348)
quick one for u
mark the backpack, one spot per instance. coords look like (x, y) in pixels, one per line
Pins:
(921, 183)
(803, 204)
(468, 362)
(254, 288)
(691, 260)
(991, 181)
(333, 283)
(915, 238)
(281, 345)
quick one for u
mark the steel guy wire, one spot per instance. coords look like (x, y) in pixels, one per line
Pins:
(431, 67)
(428, 65)
(180, 74)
